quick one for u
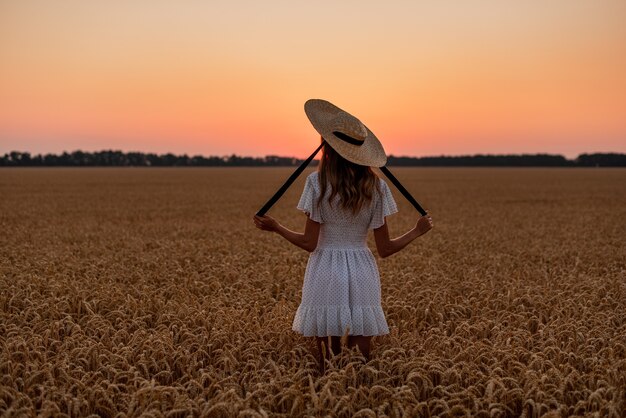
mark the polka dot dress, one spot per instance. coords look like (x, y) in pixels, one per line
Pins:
(341, 289)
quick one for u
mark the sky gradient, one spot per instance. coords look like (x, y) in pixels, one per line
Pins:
(222, 77)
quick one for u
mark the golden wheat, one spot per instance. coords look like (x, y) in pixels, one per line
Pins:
(148, 292)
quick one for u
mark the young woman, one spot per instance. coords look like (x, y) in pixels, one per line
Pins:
(343, 199)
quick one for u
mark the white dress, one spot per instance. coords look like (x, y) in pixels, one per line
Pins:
(341, 289)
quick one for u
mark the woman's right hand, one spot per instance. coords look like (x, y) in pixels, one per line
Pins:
(266, 223)
(424, 224)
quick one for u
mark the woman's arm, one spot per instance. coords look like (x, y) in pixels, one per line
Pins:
(387, 246)
(307, 240)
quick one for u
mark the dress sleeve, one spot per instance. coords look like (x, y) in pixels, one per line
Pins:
(308, 200)
(384, 205)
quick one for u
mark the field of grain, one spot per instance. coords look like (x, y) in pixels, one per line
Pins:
(149, 292)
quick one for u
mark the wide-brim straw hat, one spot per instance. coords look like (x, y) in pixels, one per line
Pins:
(345, 133)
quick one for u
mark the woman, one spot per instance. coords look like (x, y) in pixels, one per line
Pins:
(343, 199)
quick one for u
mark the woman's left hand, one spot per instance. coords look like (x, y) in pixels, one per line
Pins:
(424, 224)
(266, 223)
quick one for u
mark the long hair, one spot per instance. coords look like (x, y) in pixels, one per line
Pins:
(354, 183)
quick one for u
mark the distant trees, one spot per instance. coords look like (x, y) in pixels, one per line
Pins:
(524, 160)
(601, 160)
(122, 159)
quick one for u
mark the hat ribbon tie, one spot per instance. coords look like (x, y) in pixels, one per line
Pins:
(348, 138)
(288, 183)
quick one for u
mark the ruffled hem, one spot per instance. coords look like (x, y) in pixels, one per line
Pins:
(322, 321)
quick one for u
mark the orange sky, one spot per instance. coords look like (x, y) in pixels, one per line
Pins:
(221, 77)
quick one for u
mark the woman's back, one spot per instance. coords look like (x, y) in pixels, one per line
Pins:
(341, 228)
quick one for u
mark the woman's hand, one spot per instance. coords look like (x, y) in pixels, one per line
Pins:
(387, 247)
(266, 223)
(424, 224)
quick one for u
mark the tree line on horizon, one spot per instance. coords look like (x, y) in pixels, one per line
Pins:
(139, 159)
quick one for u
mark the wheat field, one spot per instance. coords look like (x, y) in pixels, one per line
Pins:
(149, 292)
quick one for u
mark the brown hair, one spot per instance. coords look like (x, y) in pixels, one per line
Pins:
(354, 183)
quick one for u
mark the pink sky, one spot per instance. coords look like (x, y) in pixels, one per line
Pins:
(223, 77)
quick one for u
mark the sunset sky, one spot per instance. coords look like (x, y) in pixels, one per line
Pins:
(222, 77)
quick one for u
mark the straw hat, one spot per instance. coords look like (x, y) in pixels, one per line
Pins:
(345, 133)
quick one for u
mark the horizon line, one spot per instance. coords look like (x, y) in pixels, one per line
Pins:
(190, 155)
